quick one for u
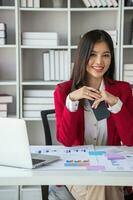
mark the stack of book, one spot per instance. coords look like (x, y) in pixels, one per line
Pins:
(4, 100)
(35, 101)
(2, 33)
(40, 38)
(113, 34)
(128, 73)
(100, 3)
(30, 3)
(56, 66)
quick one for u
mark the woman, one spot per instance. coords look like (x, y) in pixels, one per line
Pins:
(92, 80)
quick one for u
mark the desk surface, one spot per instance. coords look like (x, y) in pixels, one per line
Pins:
(18, 176)
(12, 176)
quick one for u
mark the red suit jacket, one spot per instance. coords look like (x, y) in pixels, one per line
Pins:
(70, 125)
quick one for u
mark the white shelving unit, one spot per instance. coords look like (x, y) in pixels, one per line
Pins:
(9, 79)
(21, 66)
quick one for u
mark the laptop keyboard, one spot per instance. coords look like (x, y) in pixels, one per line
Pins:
(37, 161)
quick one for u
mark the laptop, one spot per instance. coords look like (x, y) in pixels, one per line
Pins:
(14, 146)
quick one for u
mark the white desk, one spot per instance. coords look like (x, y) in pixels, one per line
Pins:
(9, 176)
(15, 176)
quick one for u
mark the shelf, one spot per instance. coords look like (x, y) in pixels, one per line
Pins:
(128, 46)
(8, 46)
(52, 118)
(40, 82)
(94, 9)
(128, 8)
(43, 47)
(7, 7)
(8, 83)
(44, 9)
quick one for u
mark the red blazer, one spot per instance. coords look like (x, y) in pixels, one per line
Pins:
(70, 125)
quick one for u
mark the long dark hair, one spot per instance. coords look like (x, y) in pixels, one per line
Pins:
(85, 47)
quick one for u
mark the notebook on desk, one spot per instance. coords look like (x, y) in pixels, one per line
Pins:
(14, 146)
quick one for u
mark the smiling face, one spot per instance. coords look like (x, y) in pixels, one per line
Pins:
(99, 61)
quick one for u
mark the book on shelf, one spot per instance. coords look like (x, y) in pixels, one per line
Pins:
(128, 66)
(37, 107)
(52, 65)
(5, 98)
(66, 66)
(103, 2)
(57, 66)
(40, 35)
(86, 3)
(38, 93)
(115, 3)
(3, 107)
(2, 26)
(23, 3)
(38, 100)
(61, 64)
(109, 3)
(98, 3)
(128, 73)
(2, 41)
(32, 114)
(30, 3)
(93, 3)
(113, 34)
(46, 66)
(2, 34)
(3, 113)
(128, 79)
(36, 3)
(40, 42)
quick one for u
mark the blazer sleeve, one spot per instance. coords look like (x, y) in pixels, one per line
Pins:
(66, 121)
(124, 119)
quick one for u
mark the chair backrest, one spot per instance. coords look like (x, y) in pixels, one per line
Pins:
(44, 116)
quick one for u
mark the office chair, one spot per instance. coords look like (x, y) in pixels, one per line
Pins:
(48, 140)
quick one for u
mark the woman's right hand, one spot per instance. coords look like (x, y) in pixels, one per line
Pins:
(85, 93)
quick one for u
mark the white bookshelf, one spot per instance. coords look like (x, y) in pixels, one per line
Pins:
(22, 65)
(9, 81)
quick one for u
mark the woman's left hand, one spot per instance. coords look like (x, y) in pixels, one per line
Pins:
(107, 97)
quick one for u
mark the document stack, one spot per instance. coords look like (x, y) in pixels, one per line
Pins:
(30, 3)
(113, 34)
(100, 3)
(40, 38)
(56, 66)
(128, 73)
(4, 100)
(2, 33)
(37, 100)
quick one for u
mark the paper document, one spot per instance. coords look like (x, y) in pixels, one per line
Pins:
(88, 157)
